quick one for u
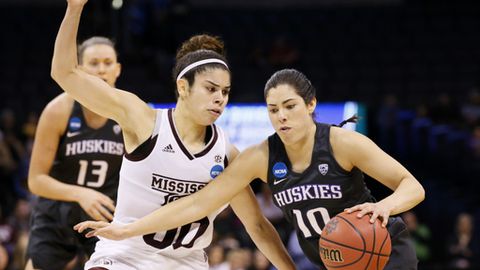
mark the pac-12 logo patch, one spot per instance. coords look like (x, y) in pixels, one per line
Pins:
(216, 170)
(117, 129)
(74, 124)
(323, 168)
(279, 170)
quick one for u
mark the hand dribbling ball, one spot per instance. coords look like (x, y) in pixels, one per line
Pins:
(348, 242)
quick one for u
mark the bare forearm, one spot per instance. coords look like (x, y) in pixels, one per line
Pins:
(407, 195)
(172, 215)
(65, 52)
(187, 209)
(269, 243)
(50, 188)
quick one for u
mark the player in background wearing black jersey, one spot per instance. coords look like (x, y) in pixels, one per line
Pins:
(74, 168)
(314, 171)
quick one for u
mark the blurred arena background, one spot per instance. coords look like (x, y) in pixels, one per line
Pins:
(413, 65)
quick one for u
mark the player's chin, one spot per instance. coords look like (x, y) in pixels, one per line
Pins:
(209, 119)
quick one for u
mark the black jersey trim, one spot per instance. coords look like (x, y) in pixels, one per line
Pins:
(330, 151)
(212, 142)
(209, 146)
(143, 150)
(175, 134)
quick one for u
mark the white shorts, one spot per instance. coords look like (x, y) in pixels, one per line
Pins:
(117, 257)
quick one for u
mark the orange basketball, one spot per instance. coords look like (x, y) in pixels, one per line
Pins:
(352, 243)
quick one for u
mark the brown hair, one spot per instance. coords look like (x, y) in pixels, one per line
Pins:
(94, 41)
(198, 42)
(197, 48)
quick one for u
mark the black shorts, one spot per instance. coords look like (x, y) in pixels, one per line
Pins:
(53, 243)
(403, 255)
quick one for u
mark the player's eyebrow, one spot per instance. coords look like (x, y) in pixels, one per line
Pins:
(217, 85)
(272, 104)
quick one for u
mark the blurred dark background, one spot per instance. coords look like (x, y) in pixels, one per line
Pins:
(414, 64)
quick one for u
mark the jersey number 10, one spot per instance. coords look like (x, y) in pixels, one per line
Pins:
(311, 218)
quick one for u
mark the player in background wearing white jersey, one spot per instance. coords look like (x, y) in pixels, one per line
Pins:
(73, 185)
(203, 83)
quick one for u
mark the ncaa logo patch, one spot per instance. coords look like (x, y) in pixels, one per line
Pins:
(215, 171)
(323, 168)
(74, 124)
(279, 170)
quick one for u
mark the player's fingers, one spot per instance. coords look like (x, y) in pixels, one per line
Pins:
(365, 210)
(105, 232)
(374, 217)
(97, 216)
(353, 209)
(80, 227)
(105, 213)
(90, 234)
(385, 218)
(106, 201)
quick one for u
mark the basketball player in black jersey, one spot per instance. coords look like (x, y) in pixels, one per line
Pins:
(315, 171)
(74, 168)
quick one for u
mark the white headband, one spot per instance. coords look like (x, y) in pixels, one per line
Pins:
(199, 63)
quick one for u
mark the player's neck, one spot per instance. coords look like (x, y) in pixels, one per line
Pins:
(93, 120)
(189, 132)
(300, 152)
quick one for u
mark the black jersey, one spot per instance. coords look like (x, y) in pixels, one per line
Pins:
(309, 199)
(89, 157)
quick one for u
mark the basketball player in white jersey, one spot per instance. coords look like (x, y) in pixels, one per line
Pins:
(169, 154)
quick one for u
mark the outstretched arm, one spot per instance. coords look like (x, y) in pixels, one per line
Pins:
(133, 115)
(190, 208)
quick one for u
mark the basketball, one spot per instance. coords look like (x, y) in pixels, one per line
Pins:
(349, 243)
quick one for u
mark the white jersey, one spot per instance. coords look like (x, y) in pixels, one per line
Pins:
(166, 171)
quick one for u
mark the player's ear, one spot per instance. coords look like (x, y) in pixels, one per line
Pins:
(118, 70)
(182, 88)
(312, 105)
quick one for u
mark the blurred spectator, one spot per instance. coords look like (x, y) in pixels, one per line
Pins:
(460, 246)
(7, 169)
(471, 109)
(386, 122)
(3, 258)
(28, 131)
(260, 262)
(475, 142)
(272, 212)
(421, 236)
(216, 256)
(20, 251)
(235, 261)
(297, 254)
(445, 110)
(7, 240)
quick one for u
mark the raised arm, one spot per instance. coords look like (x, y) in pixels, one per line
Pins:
(133, 115)
(234, 179)
(355, 150)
